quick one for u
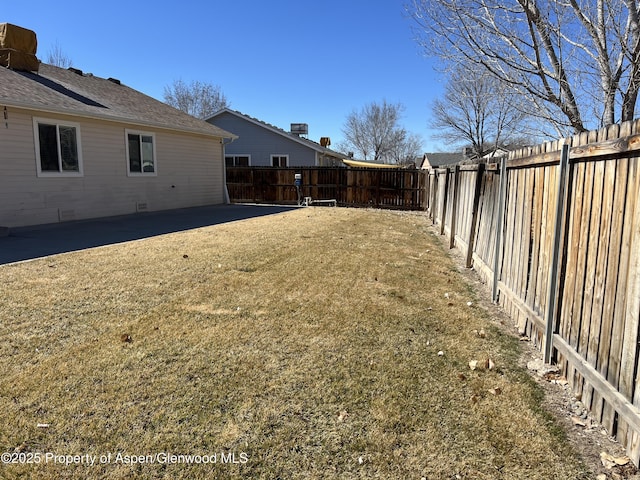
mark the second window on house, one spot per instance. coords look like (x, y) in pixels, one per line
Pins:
(279, 160)
(237, 160)
(141, 156)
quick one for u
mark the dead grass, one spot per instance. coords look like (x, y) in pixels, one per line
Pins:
(305, 344)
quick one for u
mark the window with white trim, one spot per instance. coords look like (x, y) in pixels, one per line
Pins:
(237, 160)
(279, 160)
(58, 148)
(141, 153)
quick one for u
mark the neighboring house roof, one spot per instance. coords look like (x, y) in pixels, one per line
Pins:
(72, 92)
(296, 138)
(360, 163)
(435, 160)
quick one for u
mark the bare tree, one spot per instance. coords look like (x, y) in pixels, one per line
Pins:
(374, 132)
(407, 149)
(197, 98)
(570, 60)
(57, 57)
(476, 110)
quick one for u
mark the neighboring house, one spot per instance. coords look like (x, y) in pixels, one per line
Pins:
(495, 154)
(76, 146)
(441, 160)
(437, 160)
(260, 144)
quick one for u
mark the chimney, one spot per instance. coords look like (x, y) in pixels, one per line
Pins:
(18, 48)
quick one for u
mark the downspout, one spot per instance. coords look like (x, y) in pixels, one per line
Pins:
(224, 142)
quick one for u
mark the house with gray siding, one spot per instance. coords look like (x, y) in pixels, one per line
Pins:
(77, 146)
(260, 144)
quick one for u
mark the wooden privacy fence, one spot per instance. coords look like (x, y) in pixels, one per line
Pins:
(555, 232)
(354, 187)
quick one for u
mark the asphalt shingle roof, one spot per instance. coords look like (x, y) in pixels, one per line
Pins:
(69, 91)
(444, 159)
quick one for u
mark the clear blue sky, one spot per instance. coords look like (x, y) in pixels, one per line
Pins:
(281, 61)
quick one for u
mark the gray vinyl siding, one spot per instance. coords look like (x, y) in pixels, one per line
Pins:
(261, 143)
(189, 173)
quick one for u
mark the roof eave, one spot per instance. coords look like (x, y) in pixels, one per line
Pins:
(96, 116)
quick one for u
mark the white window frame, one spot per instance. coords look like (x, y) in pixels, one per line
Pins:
(286, 156)
(36, 136)
(128, 132)
(234, 155)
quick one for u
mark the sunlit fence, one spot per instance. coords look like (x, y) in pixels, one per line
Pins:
(555, 231)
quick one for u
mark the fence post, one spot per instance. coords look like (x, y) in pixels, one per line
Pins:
(434, 195)
(443, 219)
(424, 192)
(551, 313)
(254, 189)
(499, 225)
(474, 214)
(454, 206)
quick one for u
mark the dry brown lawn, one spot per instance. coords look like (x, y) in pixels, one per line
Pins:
(319, 343)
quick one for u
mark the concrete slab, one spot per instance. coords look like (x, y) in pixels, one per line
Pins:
(26, 243)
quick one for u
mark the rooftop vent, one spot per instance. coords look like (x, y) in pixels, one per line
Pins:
(300, 129)
(114, 80)
(77, 71)
(18, 48)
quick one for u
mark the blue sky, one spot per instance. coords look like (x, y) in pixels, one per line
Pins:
(281, 61)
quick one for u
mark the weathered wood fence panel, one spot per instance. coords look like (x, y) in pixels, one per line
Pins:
(404, 189)
(593, 314)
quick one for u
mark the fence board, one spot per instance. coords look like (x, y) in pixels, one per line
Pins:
(616, 271)
(475, 201)
(580, 267)
(534, 281)
(607, 280)
(550, 194)
(629, 385)
(504, 270)
(484, 247)
(571, 307)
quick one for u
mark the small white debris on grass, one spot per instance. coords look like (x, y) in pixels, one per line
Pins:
(469, 304)
(440, 353)
(446, 295)
(43, 425)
